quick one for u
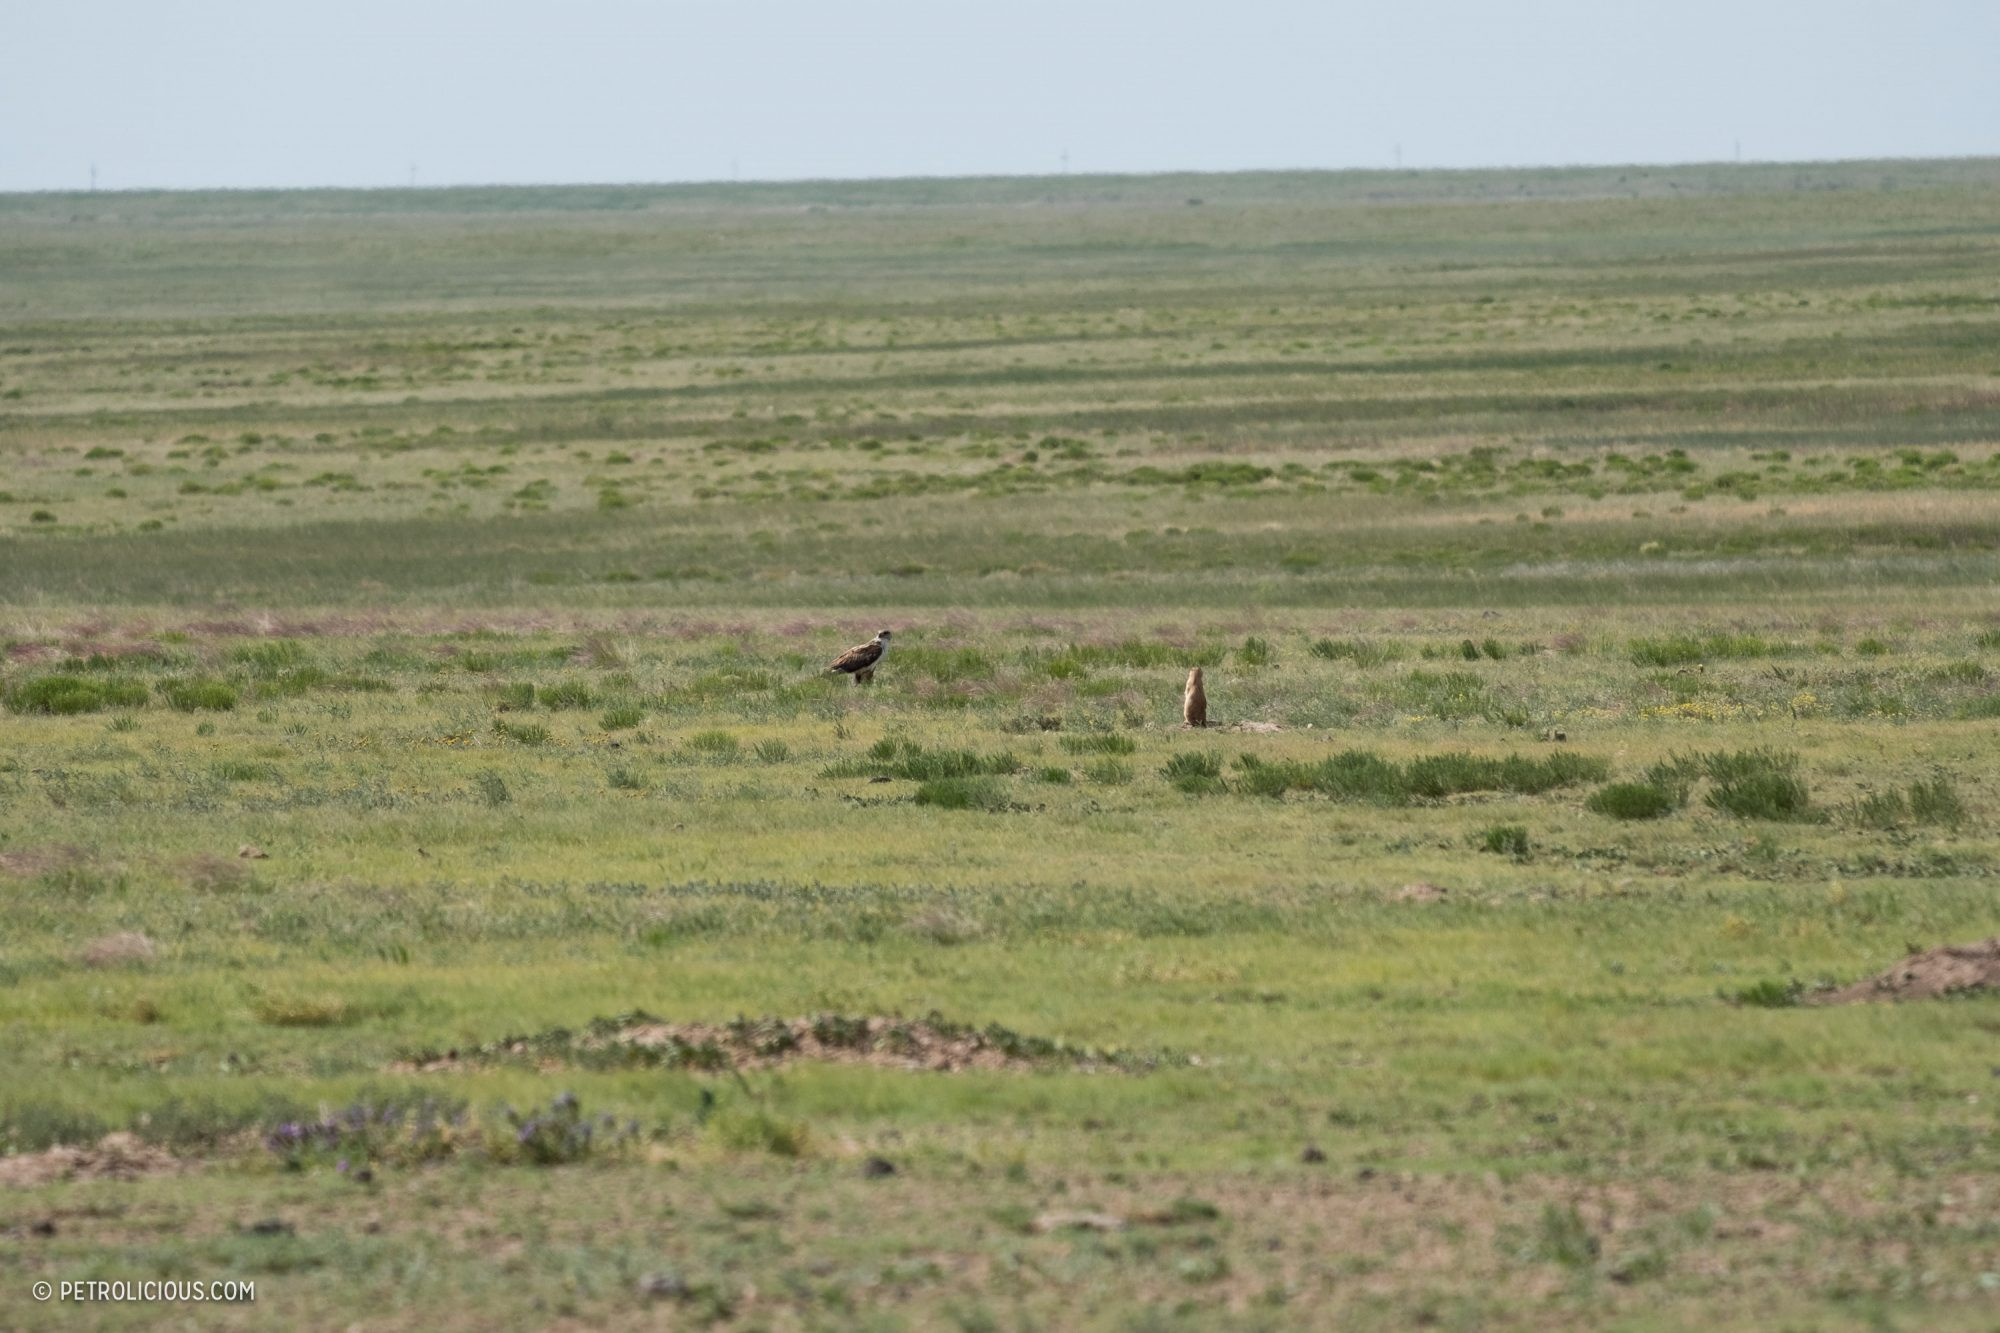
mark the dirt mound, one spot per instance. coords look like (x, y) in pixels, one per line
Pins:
(115, 1157)
(646, 1040)
(1950, 969)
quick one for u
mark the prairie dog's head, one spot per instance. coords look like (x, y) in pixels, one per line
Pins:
(1194, 678)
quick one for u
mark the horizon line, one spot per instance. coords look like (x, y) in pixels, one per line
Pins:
(1052, 176)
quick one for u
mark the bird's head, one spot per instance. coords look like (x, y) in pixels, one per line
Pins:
(883, 635)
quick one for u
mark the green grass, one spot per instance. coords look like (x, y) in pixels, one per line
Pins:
(72, 694)
(1360, 775)
(1591, 571)
(192, 696)
(1636, 800)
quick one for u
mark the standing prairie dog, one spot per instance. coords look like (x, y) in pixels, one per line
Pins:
(1194, 703)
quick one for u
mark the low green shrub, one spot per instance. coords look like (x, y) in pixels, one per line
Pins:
(1635, 800)
(1362, 775)
(1358, 651)
(893, 758)
(962, 793)
(33, 1126)
(566, 694)
(523, 733)
(67, 694)
(1195, 771)
(715, 744)
(1765, 795)
(1753, 784)
(1436, 776)
(1688, 649)
(1769, 995)
(189, 696)
(1103, 742)
(1505, 840)
(1936, 802)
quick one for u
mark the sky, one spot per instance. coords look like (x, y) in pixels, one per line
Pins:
(273, 93)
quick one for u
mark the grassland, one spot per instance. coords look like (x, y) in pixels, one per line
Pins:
(1592, 571)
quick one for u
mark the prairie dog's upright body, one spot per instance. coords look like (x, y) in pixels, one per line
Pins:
(1194, 703)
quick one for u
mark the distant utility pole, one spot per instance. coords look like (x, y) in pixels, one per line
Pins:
(1399, 157)
(93, 178)
(1739, 150)
(413, 175)
(1065, 161)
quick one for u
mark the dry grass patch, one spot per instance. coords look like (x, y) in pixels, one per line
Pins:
(120, 949)
(27, 861)
(119, 1156)
(645, 1040)
(213, 873)
(292, 1011)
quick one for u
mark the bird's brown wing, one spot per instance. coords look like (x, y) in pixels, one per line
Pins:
(857, 658)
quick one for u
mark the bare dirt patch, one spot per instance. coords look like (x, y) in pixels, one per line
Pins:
(27, 861)
(118, 1156)
(1951, 969)
(212, 872)
(646, 1040)
(118, 949)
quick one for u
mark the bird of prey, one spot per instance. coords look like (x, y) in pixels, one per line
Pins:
(861, 660)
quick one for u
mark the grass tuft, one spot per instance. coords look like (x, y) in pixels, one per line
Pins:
(1636, 800)
(1103, 742)
(715, 744)
(1505, 840)
(1198, 772)
(1361, 652)
(962, 793)
(59, 695)
(1689, 649)
(189, 696)
(566, 694)
(1757, 784)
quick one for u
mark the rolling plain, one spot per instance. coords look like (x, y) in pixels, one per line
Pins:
(442, 886)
